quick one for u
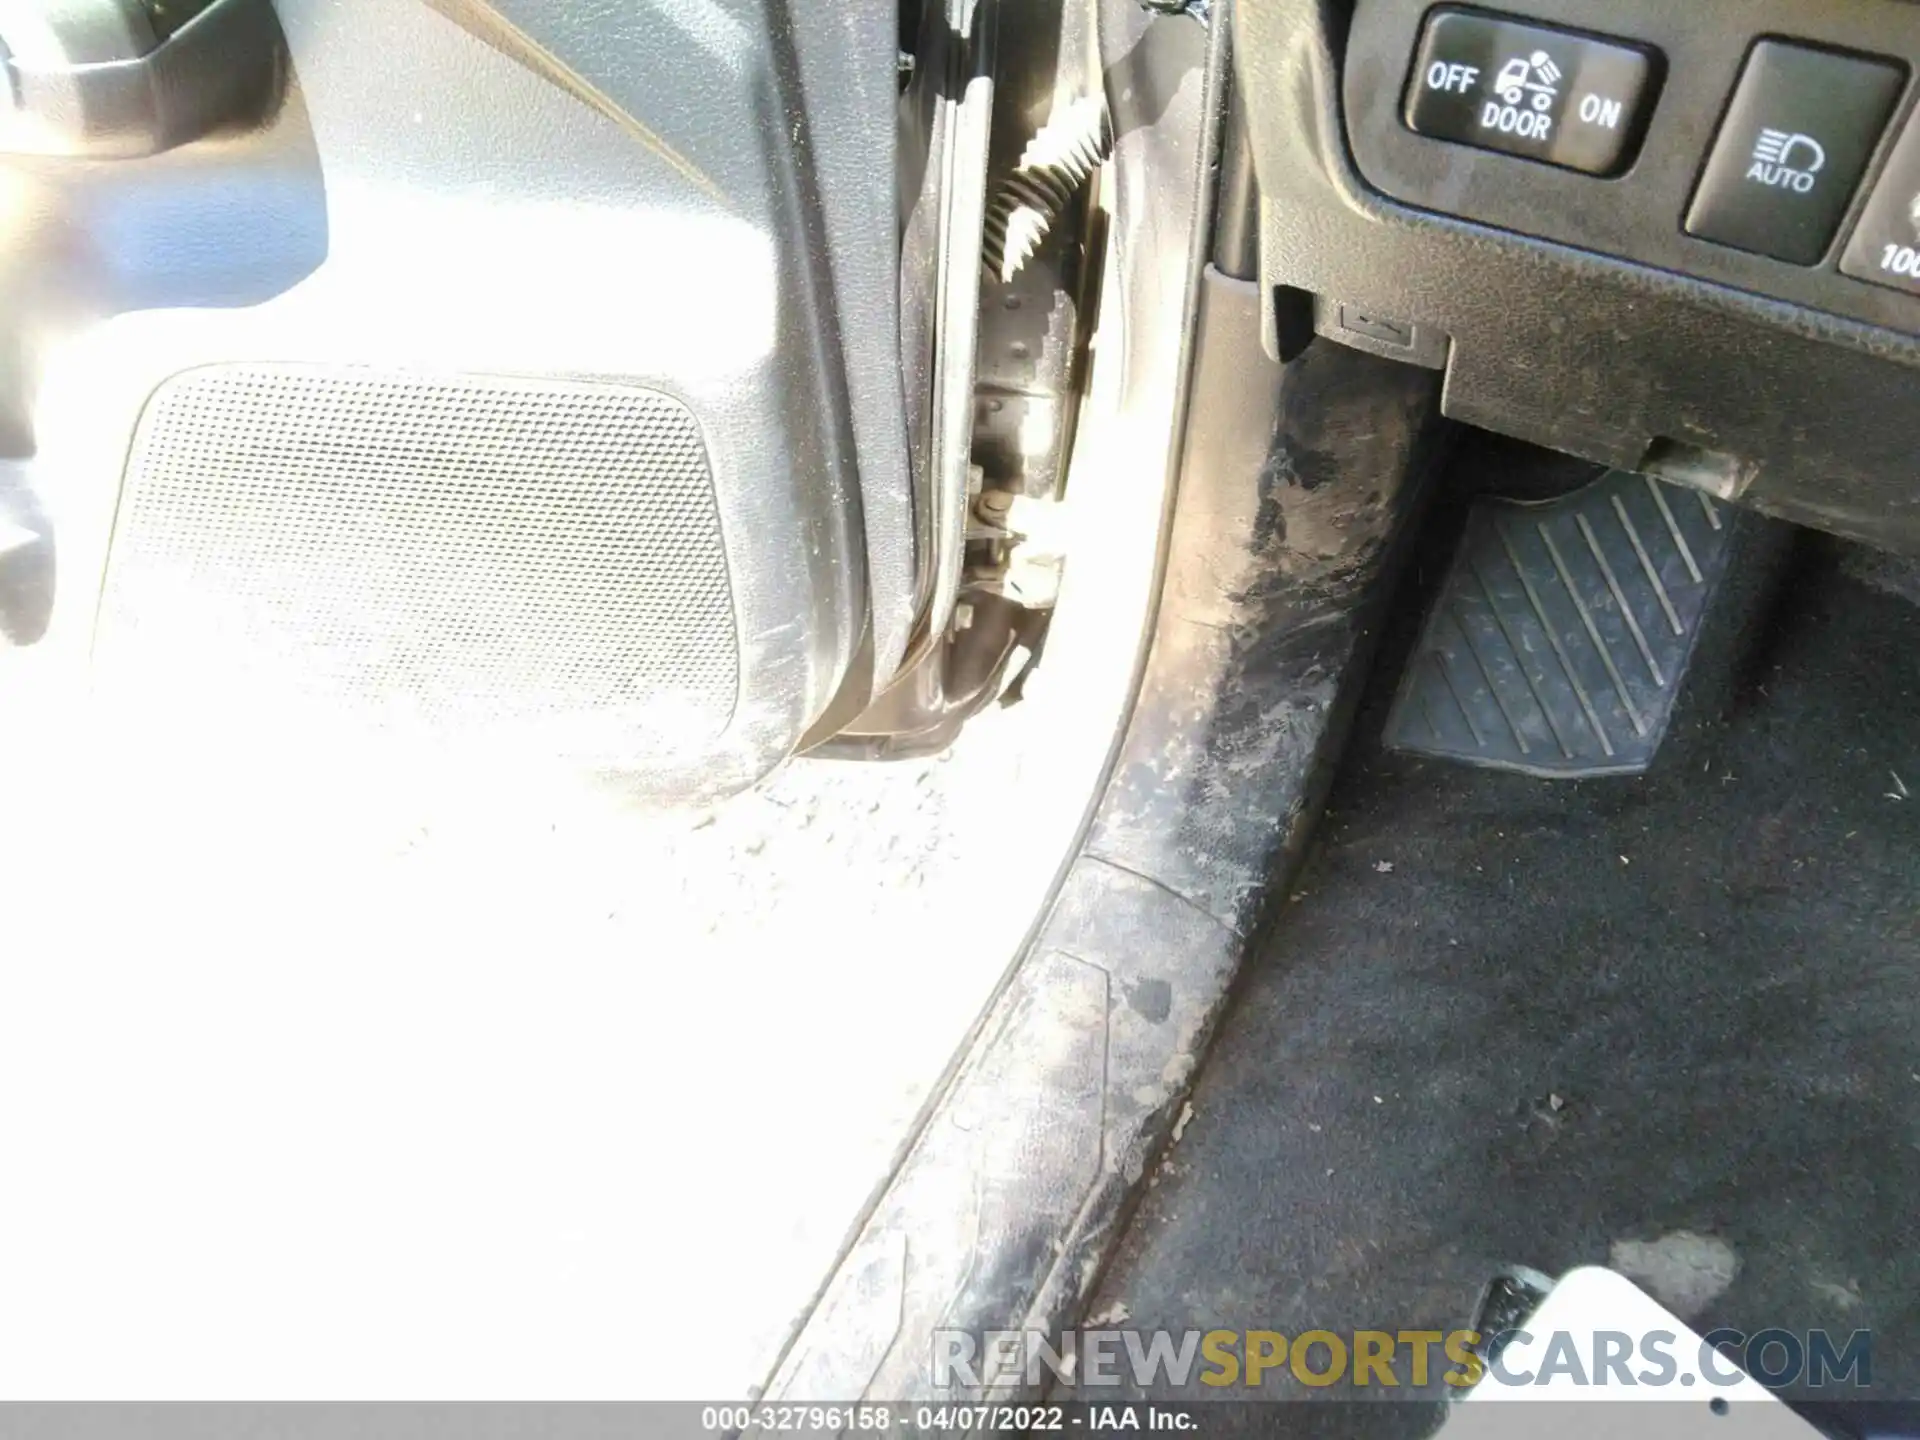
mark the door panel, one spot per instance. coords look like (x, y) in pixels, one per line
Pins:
(536, 316)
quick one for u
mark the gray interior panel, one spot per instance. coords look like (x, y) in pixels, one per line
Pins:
(690, 202)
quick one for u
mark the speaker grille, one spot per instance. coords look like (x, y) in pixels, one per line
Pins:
(452, 549)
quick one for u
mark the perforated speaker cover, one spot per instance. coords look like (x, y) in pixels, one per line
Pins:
(469, 551)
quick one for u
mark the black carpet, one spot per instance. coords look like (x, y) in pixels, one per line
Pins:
(1502, 1020)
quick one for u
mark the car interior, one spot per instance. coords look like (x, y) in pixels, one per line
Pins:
(1507, 859)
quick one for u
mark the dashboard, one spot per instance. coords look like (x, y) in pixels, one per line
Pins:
(1755, 144)
(1683, 239)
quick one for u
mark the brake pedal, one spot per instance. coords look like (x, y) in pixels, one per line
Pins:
(1560, 636)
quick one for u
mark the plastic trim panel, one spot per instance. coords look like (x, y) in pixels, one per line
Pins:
(1806, 415)
(1636, 215)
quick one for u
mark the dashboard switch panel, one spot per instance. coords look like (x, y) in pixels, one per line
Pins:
(1885, 247)
(1797, 136)
(1550, 95)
